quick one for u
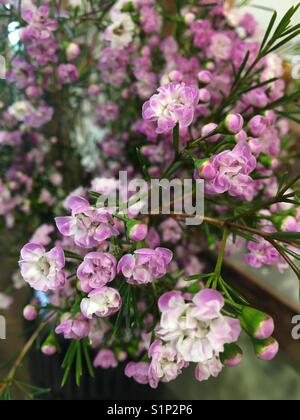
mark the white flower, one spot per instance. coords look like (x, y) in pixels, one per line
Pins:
(101, 302)
(197, 330)
(20, 110)
(120, 32)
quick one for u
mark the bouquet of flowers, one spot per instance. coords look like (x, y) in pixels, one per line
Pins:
(186, 104)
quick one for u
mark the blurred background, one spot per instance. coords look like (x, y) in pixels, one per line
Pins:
(278, 380)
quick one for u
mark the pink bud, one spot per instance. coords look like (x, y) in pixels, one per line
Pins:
(122, 356)
(234, 123)
(232, 355)
(210, 128)
(241, 136)
(137, 231)
(204, 95)
(205, 77)
(94, 90)
(176, 76)
(258, 125)
(30, 313)
(266, 349)
(258, 324)
(72, 51)
(189, 18)
(207, 171)
(48, 349)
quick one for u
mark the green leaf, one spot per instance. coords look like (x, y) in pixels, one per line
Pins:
(68, 362)
(241, 69)
(197, 277)
(85, 347)
(6, 395)
(292, 253)
(285, 235)
(269, 30)
(79, 370)
(143, 164)
(246, 236)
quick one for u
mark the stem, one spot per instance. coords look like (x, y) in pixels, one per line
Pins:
(12, 373)
(176, 138)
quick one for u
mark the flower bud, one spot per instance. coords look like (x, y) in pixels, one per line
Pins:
(94, 90)
(49, 347)
(257, 125)
(204, 95)
(72, 51)
(210, 129)
(241, 136)
(204, 169)
(30, 313)
(258, 324)
(266, 160)
(232, 355)
(205, 77)
(266, 349)
(189, 18)
(137, 231)
(176, 76)
(234, 123)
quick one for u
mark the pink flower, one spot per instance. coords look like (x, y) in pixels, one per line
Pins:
(97, 270)
(145, 265)
(42, 235)
(39, 23)
(138, 371)
(258, 125)
(165, 366)
(171, 230)
(221, 46)
(102, 302)
(43, 51)
(67, 73)
(211, 368)
(105, 359)
(74, 329)
(261, 253)
(174, 104)
(89, 226)
(197, 329)
(43, 270)
(230, 172)
(202, 30)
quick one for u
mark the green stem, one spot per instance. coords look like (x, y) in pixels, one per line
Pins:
(176, 138)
